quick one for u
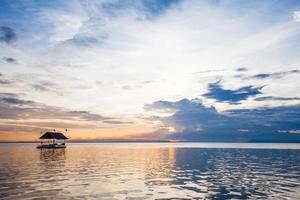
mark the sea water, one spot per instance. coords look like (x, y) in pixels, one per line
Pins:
(151, 171)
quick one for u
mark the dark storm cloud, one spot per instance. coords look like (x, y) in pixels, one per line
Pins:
(276, 75)
(195, 122)
(215, 91)
(7, 35)
(272, 98)
(16, 108)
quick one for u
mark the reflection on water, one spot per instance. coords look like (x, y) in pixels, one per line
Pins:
(156, 171)
(52, 154)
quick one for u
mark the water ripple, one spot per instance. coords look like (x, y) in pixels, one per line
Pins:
(155, 172)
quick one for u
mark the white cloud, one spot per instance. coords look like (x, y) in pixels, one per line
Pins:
(196, 36)
(296, 16)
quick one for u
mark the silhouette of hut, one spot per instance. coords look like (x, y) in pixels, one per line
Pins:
(51, 138)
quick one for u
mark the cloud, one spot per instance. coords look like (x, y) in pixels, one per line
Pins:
(8, 94)
(272, 98)
(276, 75)
(10, 60)
(117, 122)
(7, 35)
(209, 71)
(85, 40)
(44, 125)
(126, 87)
(147, 82)
(84, 86)
(40, 88)
(16, 108)
(215, 91)
(195, 122)
(4, 128)
(150, 8)
(268, 120)
(85, 115)
(296, 16)
(137, 85)
(169, 105)
(241, 69)
(123, 43)
(43, 86)
(4, 81)
(47, 87)
(90, 29)
(157, 7)
(11, 100)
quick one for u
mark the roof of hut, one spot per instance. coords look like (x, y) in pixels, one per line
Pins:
(54, 135)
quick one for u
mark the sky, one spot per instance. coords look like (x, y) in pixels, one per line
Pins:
(175, 70)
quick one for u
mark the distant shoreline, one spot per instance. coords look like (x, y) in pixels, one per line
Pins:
(138, 141)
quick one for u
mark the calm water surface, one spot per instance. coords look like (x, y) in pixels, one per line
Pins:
(151, 171)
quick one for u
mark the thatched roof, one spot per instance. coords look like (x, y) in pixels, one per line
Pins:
(54, 135)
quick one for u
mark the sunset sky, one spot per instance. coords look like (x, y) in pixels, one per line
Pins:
(150, 70)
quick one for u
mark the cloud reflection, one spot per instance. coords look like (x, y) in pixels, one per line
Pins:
(148, 171)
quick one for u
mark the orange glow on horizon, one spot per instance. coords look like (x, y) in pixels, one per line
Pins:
(141, 134)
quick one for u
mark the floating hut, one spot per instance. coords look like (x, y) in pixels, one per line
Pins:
(52, 140)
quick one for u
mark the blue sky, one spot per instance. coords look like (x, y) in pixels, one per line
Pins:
(175, 70)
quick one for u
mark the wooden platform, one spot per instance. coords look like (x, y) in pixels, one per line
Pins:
(51, 146)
